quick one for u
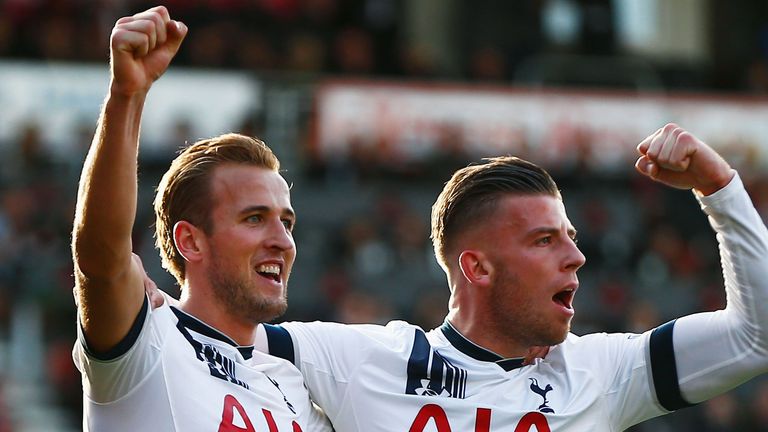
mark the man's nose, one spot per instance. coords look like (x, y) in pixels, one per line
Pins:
(280, 237)
(575, 258)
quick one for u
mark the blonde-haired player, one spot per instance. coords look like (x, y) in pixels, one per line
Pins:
(224, 221)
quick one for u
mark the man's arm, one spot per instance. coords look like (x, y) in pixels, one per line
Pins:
(108, 281)
(716, 351)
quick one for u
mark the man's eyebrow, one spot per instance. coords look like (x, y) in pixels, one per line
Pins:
(551, 230)
(287, 211)
(542, 230)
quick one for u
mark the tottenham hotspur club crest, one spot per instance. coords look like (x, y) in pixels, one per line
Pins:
(543, 393)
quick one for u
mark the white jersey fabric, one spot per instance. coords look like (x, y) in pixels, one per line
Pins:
(175, 373)
(399, 378)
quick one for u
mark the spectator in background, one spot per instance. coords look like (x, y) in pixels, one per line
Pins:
(354, 52)
(756, 409)
(305, 53)
(721, 414)
(488, 64)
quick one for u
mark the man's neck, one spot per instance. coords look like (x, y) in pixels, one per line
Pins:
(214, 314)
(483, 334)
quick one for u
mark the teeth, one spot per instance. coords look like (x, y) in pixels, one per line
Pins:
(269, 268)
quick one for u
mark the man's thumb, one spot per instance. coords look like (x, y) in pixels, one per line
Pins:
(645, 166)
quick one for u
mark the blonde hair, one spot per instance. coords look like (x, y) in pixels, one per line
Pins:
(184, 192)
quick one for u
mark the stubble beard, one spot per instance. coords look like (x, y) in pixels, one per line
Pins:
(521, 321)
(242, 299)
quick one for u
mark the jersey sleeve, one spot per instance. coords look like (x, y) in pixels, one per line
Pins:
(109, 376)
(717, 351)
(620, 364)
(330, 354)
(639, 373)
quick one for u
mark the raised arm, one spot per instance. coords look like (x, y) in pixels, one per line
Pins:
(715, 351)
(108, 281)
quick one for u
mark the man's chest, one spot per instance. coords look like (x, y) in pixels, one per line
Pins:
(444, 396)
(210, 384)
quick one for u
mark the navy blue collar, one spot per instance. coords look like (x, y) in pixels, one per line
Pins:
(476, 351)
(194, 324)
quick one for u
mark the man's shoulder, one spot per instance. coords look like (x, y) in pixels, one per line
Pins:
(392, 327)
(395, 335)
(590, 348)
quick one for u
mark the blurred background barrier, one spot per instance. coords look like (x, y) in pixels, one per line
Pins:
(371, 105)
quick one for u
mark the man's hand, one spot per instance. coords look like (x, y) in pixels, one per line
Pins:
(676, 158)
(156, 298)
(141, 48)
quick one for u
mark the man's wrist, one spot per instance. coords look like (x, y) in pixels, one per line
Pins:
(125, 101)
(718, 183)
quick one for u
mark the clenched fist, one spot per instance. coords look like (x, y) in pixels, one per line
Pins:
(675, 157)
(141, 48)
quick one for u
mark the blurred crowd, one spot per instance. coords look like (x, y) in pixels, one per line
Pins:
(340, 36)
(363, 232)
(486, 40)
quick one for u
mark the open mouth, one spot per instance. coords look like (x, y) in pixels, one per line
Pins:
(269, 271)
(565, 298)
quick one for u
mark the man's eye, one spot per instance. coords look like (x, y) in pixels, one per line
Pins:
(288, 224)
(254, 218)
(544, 240)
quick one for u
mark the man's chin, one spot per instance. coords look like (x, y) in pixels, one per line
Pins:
(554, 339)
(275, 312)
(266, 312)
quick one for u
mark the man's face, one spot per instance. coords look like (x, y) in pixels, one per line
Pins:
(251, 248)
(535, 259)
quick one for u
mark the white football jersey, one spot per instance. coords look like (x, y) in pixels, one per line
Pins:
(175, 373)
(399, 378)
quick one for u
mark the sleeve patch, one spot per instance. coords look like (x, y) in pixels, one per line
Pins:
(664, 369)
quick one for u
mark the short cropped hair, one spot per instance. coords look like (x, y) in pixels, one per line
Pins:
(184, 192)
(472, 193)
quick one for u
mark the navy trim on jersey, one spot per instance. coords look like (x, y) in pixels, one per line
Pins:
(194, 324)
(664, 368)
(431, 374)
(280, 342)
(476, 351)
(127, 342)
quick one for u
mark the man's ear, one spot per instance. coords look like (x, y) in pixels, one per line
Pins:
(475, 267)
(189, 241)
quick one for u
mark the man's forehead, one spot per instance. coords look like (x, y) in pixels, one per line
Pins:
(232, 173)
(533, 210)
(526, 201)
(255, 185)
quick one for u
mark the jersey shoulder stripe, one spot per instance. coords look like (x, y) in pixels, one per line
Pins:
(280, 342)
(664, 369)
